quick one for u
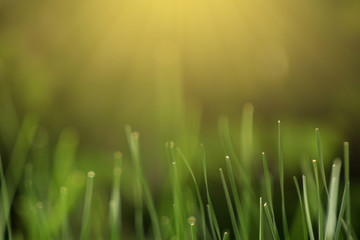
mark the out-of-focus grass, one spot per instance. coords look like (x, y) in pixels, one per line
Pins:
(176, 210)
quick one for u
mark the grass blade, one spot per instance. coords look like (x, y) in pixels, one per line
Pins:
(200, 201)
(347, 182)
(191, 221)
(16, 165)
(226, 236)
(307, 209)
(85, 227)
(268, 187)
(347, 229)
(132, 138)
(230, 150)
(5, 201)
(239, 210)
(261, 228)
(211, 213)
(140, 182)
(230, 207)
(271, 224)
(319, 205)
(305, 232)
(333, 197)
(115, 202)
(178, 206)
(63, 214)
(341, 212)
(281, 176)
(321, 159)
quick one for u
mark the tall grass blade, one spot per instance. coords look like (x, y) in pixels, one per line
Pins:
(239, 210)
(64, 207)
(178, 206)
(321, 159)
(307, 209)
(115, 202)
(16, 165)
(211, 213)
(303, 214)
(319, 205)
(347, 182)
(211, 223)
(281, 176)
(200, 201)
(261, 227)
(85, 227)
(230, 207)
(341, 212)
(247, 136)
(138, 194)
(140, 182)
(5, 201)
(273, 229)
(230, 149)
(333, 197)
(268, 188)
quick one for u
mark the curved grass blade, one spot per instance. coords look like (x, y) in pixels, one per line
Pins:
(341, 212)
(307, 209)
(200, 201)
(305, 232)
(321, 159)
(230, 207)
(281, 176)
(211, 213)
(230, 150)
(239, 210)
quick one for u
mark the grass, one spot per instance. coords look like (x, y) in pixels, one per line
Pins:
(192, 213)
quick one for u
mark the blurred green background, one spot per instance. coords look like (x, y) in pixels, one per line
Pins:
(170, 69)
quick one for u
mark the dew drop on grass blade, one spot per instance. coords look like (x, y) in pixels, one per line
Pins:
(85, 225)
(281, 175)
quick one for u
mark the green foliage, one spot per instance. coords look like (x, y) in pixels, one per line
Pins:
(188, 215)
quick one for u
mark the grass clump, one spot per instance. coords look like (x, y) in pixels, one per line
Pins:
(192, 213)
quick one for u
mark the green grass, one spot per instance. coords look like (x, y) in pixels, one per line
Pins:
(245, 206)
